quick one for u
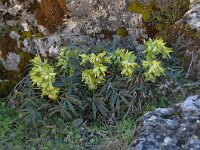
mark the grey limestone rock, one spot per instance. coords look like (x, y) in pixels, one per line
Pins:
(11, 62)
(173, 128)
(92, 23)
(192, 17)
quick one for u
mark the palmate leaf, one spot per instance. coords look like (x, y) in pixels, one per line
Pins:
(124, 100)
(101, 106)
(74, 100)
(71, 108)
(62, 110)
(98, 106)
(68, 107)
(31, 116)
(113, 97)
(118, 102)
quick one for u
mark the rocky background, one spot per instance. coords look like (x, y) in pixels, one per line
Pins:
(35, 27)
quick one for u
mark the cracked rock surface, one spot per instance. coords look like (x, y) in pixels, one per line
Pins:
(92, 23)
(192, 17)
(173, 128)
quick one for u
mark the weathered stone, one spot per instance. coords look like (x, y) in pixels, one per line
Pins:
(91, 23)
(158, 2)
(175, 128)
(192, 17)
(11, 62)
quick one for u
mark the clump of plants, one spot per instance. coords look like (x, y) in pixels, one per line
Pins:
(43, 75)
(95, 76)
(153, 68)
(80, 85)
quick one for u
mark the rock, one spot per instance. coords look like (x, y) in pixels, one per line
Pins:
(173, 128)
(12, 70)
(91, 23)
(11, 62)
(159, 2)
(192, 17)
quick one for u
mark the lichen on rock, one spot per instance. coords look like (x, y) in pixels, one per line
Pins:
(173, 128)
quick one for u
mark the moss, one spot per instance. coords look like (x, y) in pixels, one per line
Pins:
(168, 15)
(7, 44)
(122, 31)
(30, 35)
(140, 8)
(10, 78)
(26, 34)
(24, 60)
(157, 18)
(107, 34)
(39, 35)
(51, 14)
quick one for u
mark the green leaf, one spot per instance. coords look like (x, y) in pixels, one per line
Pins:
(94, 110)
(71, 107)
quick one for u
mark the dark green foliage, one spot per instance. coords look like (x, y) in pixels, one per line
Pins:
(12, 133)
(56, 134)
(117, 98)
(34, 108)
(64, 123)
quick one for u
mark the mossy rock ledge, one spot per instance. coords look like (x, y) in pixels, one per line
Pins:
(187, 30)
(12, 65)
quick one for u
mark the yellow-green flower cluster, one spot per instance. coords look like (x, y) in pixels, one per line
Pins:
(153, 68)
(43, 75)
(125, 60)
(96, 76)
(64, 60)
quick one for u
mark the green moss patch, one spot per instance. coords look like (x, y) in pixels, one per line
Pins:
(140, 8)
(122, 31)
(157, 18)
(10, 78)
(7, 44)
